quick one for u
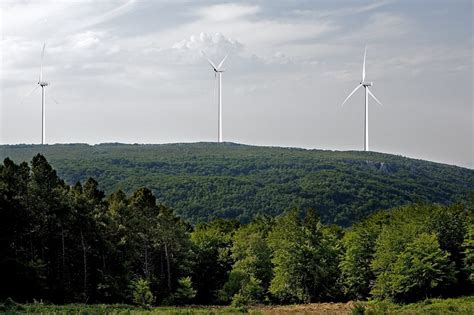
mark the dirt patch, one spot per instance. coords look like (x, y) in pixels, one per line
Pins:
(315, 308)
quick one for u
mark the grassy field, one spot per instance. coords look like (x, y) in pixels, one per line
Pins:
(463, 305)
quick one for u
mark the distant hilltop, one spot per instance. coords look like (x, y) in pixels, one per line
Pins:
(203, 181)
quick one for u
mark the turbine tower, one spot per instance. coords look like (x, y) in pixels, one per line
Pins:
(218, 70)
(366, 85)
(43, 85)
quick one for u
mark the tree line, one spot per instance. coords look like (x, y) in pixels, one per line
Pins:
(205, 181)
(63, 244)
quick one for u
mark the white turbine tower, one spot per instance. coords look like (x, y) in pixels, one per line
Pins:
(218, 70)
(366, 85)
(43, 85)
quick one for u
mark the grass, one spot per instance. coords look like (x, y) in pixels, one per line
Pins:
(461, 305)
(113, 309)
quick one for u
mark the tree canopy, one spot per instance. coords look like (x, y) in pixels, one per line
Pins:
(205, 181)
(65, 243)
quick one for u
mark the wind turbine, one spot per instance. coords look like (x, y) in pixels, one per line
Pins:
(218, 70)
(43, 85)
(366, 85)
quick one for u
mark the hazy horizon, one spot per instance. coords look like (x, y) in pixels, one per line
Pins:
(132, 72)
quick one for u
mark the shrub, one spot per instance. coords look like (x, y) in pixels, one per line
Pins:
(185, 291)
(141, 292)
(358, 309)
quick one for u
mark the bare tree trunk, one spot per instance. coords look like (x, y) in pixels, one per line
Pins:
(84, 257)
(32, 251)
(104, 267)
(145, 267)
(64, 254)
(168, 266)
(162, 268)
(42, 249)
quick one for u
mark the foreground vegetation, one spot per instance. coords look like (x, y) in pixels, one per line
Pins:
(205, 181)
(65, 244)
(463, 305)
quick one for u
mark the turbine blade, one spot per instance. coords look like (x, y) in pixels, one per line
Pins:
(52, 95)
(41, 67)
(28, 94)
(363, 65)
(374, 97)
(212, 64)
(209, 60)
(214, 89)
(222, 62)
(353, 91)
(54, 99)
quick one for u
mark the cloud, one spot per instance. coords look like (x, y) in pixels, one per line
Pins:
(109, 15)
(227, 12)
(263, 37)
(212, 44)
(87, 40)
(47, 19)
(341, 12)
(433, 59)
(380, 27)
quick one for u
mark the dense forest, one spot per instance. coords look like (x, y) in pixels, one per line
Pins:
(66, 243)
(205, 181)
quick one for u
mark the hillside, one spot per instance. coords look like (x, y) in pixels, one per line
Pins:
(202, 181)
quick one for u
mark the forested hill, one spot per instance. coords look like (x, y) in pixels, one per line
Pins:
(202, 181)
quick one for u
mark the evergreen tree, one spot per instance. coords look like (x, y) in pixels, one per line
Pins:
(171, 241)
(16, 270)
(185, 292)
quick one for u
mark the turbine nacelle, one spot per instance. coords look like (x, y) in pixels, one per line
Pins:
(366, 83)
(43, 83)
(217, 68)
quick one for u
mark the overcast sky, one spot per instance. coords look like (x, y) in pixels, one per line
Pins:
(132, 71)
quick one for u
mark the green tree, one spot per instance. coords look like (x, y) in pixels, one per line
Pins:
(171, 241)
(450, 223)
(252, 267)
(250, 292)
(212, 244)
(141, 292)
(417, 272)
(285, 240)
(185, 292)
(142, 218)
(51, 214)
(358, 251)
(468, 246)
(305, 256)
(15, 228)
